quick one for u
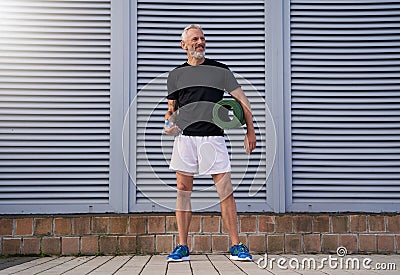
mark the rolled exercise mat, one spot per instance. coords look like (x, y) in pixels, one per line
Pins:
(221, 114)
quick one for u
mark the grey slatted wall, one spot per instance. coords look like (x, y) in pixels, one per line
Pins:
(54, 104)
(345, 104)
(235, 34)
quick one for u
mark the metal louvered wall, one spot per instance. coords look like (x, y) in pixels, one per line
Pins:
(345, 105)
(54, 104)
(235, 34)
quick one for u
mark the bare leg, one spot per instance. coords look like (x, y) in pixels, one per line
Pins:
(228, 205)
(183, 209)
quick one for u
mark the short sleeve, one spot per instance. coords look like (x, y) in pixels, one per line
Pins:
(171, 86)
(231, 82)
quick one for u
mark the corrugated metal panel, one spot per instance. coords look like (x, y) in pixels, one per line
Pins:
(54, 102)
(235, 33)
(345, 101)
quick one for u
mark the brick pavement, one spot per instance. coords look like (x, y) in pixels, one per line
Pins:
(201, 264)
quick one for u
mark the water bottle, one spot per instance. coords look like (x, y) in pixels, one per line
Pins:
(170, 122)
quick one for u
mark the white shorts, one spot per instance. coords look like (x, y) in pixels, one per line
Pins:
(200, 155)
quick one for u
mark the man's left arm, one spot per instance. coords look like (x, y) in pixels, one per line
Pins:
(250, 139)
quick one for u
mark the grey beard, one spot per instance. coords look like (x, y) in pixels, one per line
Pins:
(196, 54)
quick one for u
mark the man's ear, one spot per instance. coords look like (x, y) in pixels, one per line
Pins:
(183, 45)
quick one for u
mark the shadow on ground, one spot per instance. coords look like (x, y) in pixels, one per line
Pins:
(12, 261)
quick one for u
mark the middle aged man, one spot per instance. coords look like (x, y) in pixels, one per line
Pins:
(199, 146)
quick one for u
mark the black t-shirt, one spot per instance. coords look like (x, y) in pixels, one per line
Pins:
(196, 90)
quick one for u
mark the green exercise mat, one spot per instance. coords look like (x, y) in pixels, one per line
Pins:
(221, 114)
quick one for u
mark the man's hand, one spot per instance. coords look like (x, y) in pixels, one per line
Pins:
(172, 131)
(172, 107)
(250, 142)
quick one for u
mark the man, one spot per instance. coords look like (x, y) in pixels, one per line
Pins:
(193, 89)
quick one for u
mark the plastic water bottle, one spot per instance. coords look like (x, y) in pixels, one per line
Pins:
(170, 122)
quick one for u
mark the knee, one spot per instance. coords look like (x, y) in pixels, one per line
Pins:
(224, 188)
(183, 188)
(184, 182)
(224, 191)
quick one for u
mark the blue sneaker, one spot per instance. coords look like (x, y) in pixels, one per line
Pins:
(240, 252)
(180, 254)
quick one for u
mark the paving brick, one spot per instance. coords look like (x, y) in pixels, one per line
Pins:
(164, 243)
(330, 242)
(11, 246)
(266, 224)
(51, 245)
(358, 223)
(376, 223)
(108, 245)
(293, 243)
(339, 224)
(171, 226)
(30, 246)
(349, 241)
(145, 244)
(211, 224)
(393, 224)
(202, 243)
(248, 224)
(127, 244)
(24, 227)
(368, 243)
(257, 243)
(100, 225)
(137, 224)
(321, 224)
(119, 225)
(62, 226)
(220, 243)
(386, 243)
(156, 224)
(312, 243)
(284, 224)
(89, 245)
(6, 227)
(275, 243)
(302, 224)
(70, 245)
(81, 226)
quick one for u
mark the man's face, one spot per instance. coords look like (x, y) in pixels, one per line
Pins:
(195, 43)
